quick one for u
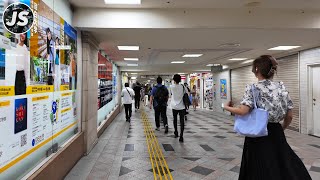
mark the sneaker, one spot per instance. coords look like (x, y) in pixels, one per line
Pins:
(167, 129)
(157, 129)
(181, 139)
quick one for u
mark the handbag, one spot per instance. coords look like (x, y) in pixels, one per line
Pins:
(253, 124)
(185, 98)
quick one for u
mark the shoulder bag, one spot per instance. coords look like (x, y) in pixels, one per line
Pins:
(185, 98)
(253, 124)
(129, 93)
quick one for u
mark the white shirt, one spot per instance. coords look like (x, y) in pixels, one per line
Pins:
(177, 93)
(126, 97)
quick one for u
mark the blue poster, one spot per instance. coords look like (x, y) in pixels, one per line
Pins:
(223, 88)
(20, 115)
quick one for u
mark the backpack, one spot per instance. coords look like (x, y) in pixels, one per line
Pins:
(161, 95)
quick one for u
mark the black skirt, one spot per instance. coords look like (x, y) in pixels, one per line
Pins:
(271, 158)
(20, 83)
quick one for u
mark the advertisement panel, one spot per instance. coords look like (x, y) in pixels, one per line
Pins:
(38, 78)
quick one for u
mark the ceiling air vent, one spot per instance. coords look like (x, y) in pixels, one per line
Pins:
(229, 45)
(252, 3)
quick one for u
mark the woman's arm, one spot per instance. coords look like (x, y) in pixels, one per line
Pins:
(241, 110)
(287, 120)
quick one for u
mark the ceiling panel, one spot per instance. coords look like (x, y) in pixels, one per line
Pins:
(282, 4)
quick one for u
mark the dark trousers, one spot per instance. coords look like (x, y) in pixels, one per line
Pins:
(175, 120)
(128, 110)
(137, 102)
(161, 110)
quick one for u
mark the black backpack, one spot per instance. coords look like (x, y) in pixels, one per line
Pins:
(161, 95)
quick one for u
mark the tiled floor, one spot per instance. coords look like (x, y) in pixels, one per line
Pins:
(211, 150)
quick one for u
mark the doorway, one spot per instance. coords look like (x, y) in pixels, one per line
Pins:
(316, 100)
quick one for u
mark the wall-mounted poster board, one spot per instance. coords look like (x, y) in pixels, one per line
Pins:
(38, 80)
(223, 88)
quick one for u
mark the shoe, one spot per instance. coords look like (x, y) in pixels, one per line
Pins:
(167, 129)
(181, 139)
(176, 134)
(186, 118)
(157, 129)
(127, 120)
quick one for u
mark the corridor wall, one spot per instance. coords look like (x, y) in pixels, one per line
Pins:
(221, 82)
(39, 120)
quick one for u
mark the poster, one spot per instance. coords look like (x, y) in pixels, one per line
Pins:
(38, 80)
(105, 75)
(223, 88)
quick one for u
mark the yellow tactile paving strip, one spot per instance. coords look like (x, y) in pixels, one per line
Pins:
(157, 159)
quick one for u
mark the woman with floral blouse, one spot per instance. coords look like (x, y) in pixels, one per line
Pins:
(269, 157)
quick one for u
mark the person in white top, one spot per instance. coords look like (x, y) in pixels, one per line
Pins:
(23, 66)
(178, 107)
(127, 95)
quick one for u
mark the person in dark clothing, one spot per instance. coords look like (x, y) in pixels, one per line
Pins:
(159, 99)
(137, 97)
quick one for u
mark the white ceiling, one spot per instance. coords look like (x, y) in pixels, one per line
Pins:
(158, 47)
(282, 4)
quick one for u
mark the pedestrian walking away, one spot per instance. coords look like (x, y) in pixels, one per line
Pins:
(127, 94)
(268, 157)
(159, 101)
(177, 92)
(137, 97)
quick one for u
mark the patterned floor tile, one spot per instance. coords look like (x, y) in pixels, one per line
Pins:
(202, 170)
(124, 170)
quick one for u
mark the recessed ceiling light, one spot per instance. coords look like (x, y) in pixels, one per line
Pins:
(122, 1)
(131, 59)
(132, 64)
(283, 48)
(178, 62)
(192, 55)
(237, 59)
(128, 48)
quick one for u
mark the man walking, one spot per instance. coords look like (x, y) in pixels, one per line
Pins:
(127, 94)
(159, 98)
(137, 97)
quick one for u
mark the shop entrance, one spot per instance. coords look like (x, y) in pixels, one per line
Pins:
(316, 100)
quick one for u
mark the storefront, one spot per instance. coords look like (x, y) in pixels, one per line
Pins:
(40, 85)
(208, 91)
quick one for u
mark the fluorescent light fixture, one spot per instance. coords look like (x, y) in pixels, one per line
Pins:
(132, 64)
(131, 59)
(128, 48)
(216, 64)
(152, 78)
(202, 70)
(225, 67)
(247, 61)
(133, 77)
(133, 73)
(192, 55)
(238, 59)
(101, 65)
(178, 62)
(210, 65)
(181, 73)
(283, 48)
(122, 1)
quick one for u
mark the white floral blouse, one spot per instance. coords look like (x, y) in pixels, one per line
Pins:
(271, 96)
